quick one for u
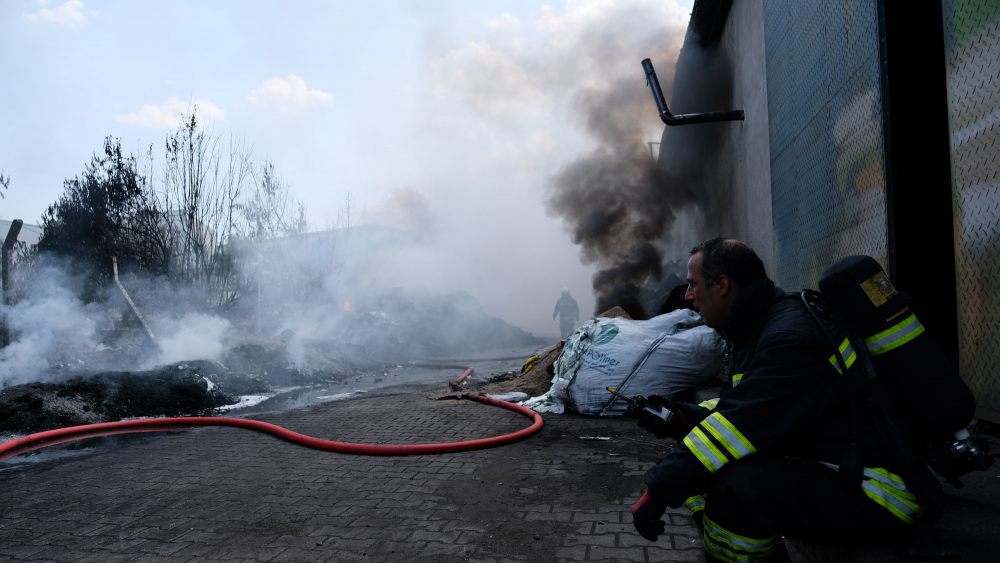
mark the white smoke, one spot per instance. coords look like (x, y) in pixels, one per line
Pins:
(50, 329)
(54, 335)
(193, 336)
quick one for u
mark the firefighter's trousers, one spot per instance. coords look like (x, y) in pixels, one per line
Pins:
(750, 504)
(566, 325)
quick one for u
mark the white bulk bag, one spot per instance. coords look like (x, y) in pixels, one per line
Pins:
(665, 356)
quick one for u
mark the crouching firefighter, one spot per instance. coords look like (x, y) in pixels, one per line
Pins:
(809, 443)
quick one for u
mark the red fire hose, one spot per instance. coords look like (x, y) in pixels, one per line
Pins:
(59, 436)
(467, 373)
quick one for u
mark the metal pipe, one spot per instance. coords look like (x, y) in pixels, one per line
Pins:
(8, 258)
(688, 118)
(135, 310)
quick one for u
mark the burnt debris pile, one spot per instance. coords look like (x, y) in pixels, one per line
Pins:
(289, 360)
(172, 390)
(251, 366)
(119, 372)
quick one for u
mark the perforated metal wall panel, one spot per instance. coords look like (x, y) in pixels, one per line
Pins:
(825, 121)
(972, 39)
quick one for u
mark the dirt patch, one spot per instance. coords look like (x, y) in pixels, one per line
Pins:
(615, 312)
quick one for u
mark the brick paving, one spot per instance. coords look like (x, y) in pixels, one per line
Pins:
(224, 494)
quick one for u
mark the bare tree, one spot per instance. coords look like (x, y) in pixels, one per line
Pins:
(203, 185)
(206, 218)
(270, 211)
(274, 242)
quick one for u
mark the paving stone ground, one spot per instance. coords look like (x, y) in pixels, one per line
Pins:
(225, 494)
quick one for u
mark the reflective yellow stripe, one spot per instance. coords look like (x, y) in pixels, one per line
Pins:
(847, 352)
(727, 546)
(890, 491)
(709, 404)
(905, 509)
(728, 435)
(695, 503)
(704, 450)
(737, 378)
(894, 337)
(890, 479)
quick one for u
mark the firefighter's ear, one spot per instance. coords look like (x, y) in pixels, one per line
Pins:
(725, 285)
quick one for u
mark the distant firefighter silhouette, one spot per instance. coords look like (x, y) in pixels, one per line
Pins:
(568, 313)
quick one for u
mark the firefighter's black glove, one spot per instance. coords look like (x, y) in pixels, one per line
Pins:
(646, 516)
(634, 410)
(672, 426)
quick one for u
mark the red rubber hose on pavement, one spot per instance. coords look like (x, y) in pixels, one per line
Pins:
(467, 373)
(61, 435)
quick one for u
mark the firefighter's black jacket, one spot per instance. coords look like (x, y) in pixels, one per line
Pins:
(788, 399)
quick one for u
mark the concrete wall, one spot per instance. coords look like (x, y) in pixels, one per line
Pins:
(738, 176)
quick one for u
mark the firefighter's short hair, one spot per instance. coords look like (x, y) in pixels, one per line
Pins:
(731, 258)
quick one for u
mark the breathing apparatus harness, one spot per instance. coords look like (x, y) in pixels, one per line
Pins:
(912, 442)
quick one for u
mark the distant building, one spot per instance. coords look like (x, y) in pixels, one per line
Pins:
(30, 234)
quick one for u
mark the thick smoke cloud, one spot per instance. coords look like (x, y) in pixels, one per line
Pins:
(515, 103)
(615, 201)
(55, 335)
(618, 203)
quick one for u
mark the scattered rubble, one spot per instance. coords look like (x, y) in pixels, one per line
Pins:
(505, 376)
(251, 366)
(289, 360)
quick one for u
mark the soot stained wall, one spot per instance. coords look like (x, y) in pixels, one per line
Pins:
(738, 178)
(722, 72)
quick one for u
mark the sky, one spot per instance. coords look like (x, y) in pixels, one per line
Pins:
(445, 118)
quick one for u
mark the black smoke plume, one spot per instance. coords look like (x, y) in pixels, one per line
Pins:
(618, 202)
